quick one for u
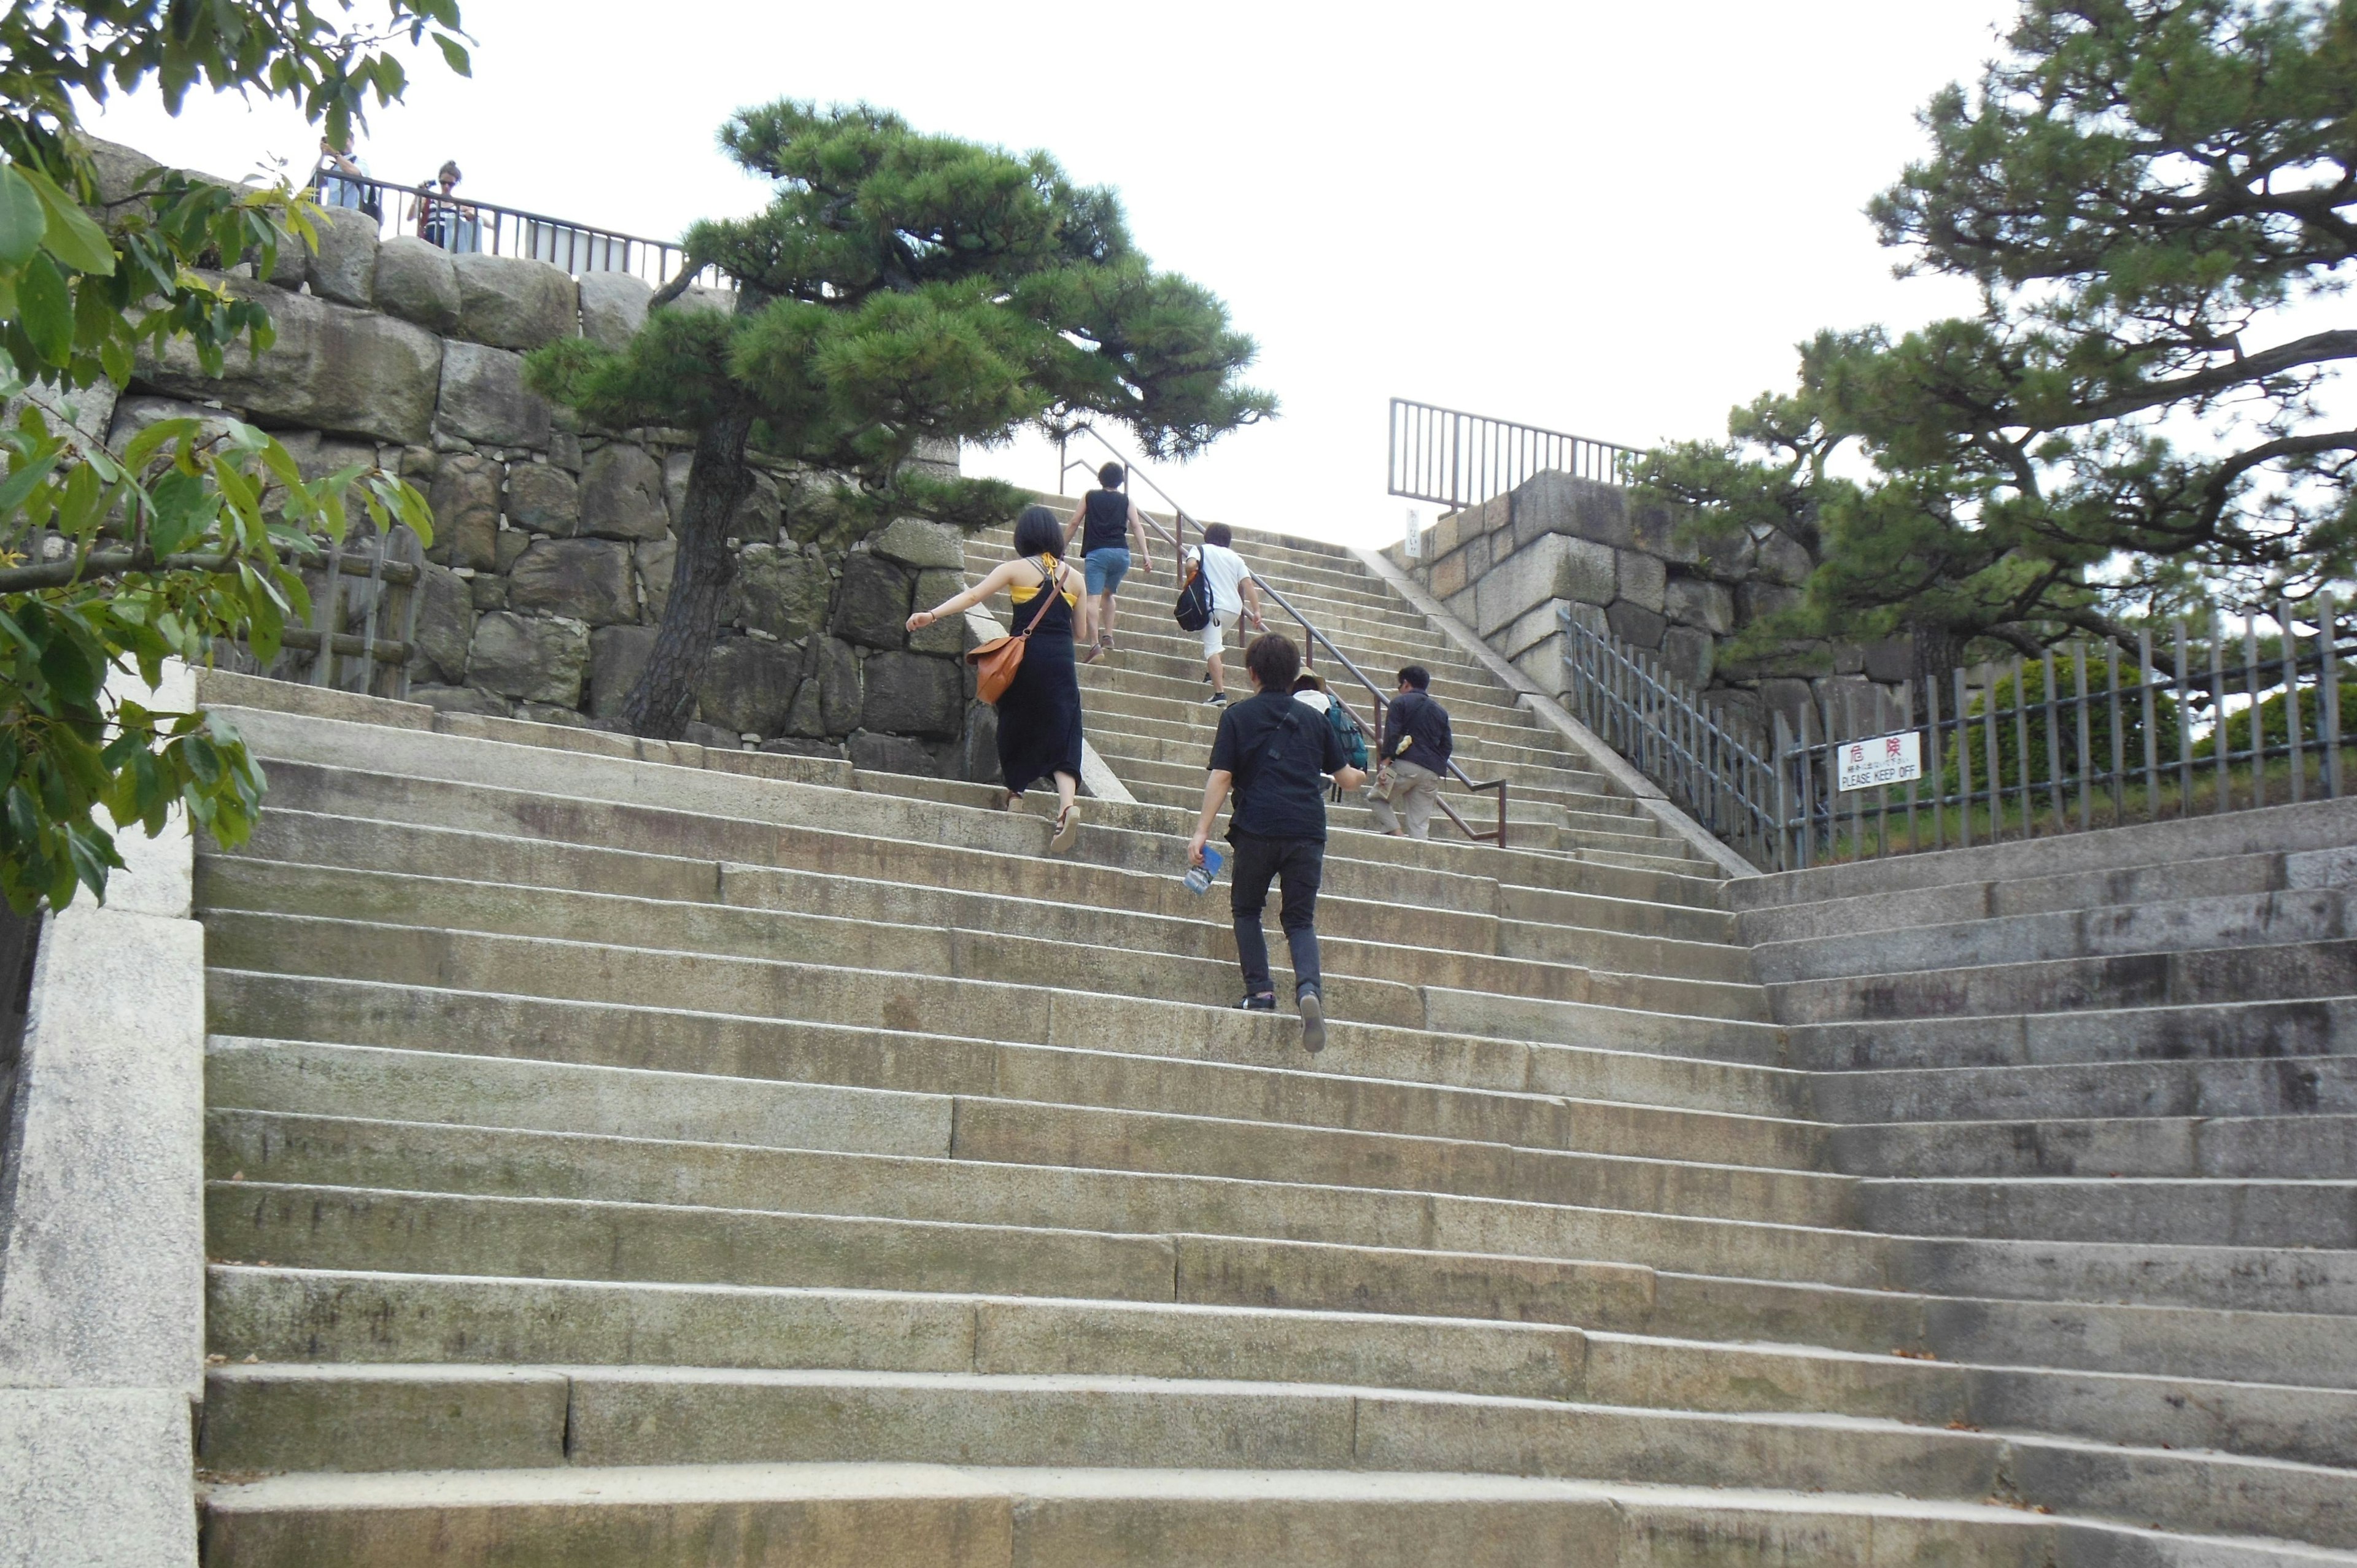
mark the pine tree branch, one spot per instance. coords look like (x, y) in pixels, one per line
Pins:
(2316, 348)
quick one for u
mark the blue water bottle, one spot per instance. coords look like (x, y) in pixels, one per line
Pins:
(1198, 878)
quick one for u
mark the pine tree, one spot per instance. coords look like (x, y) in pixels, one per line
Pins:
(2138, 190)
(898, 288)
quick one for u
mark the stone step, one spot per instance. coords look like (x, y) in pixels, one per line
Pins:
(448, 1085)
(1176, 1042)
(2179, 1341)
(1641, 941)
(2099, 1091)
(1196, 724)
(288, 1314)
(284, 1415)
(2285, 1147)
(1002, 986)
(1005, 1154)
(2217, 877)
(764, 916)
(817, 1203)
(2220, 974)
(684, 1516)
(2199, 1212)
(2318, 832)
(2208, 1036)
(2120, 930)
(672, 802)
(1147, 673)
(1563, 808)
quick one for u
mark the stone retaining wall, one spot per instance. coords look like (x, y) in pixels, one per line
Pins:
(1508, 567)
(555, 540)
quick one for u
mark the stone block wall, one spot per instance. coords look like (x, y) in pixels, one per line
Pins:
(554, 542)
(1508, 567)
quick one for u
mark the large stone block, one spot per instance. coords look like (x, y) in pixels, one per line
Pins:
(871, 609)
(1690, 601)
(913, 693)
(1585, 571)
(1659, 530)
(943, 636)
(613, 307)
(656, 559)
(344, 270)
(484, 400)
(1687, 653)
(531, 657)
(417, 282)
(622, 494)
(913, 541)
(1755, 599)
(1783, 560)
(979, 755)
(617, 655)
(446, 625)
(835, 669)
(462, 700)
(782, 593)
(589, 580)
(515, 302)
(1635, 625)
(749, 684)
(803, 717)
(331, 367)
(760, 516)
(466, 500)
(1641, 578)
(1785, 696)
(1891, 659)
(893, 754)
(543, 498)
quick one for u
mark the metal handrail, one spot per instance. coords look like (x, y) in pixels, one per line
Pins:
(1313, 638)
(1457, 459)
(512, 230)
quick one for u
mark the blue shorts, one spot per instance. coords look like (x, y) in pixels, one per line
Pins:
(1105, 569)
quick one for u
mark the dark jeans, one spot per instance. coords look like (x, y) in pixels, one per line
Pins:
(1301, 864)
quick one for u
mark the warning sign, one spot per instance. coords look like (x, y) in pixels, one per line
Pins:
(1885, 759)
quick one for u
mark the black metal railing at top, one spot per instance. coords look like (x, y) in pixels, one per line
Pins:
(1313, 638)
(2193, 719)
(461, 224)
(1457, 460)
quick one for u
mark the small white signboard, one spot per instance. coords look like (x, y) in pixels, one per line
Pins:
(1884, 759)
(1414, 540)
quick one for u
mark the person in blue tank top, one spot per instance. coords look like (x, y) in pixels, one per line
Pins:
(1105, 519)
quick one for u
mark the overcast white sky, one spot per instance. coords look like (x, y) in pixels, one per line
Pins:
(1614, 219)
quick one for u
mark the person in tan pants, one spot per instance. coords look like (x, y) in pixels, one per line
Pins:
(1413, 759)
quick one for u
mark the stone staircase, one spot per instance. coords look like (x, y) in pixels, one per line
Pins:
(1147, 718)
(626, 1153)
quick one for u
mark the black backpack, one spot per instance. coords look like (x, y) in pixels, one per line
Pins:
(1193, 611)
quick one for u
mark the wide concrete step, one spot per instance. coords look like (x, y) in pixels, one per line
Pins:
(1085, 899)
(2186, 925)
(1082, 1036)
(395, 770)
(2284, 1147)
(1079, 949)
(2202, 1212)
(1017, 1162)
(2145, 1338)
(1000, 986)
(451, 1083)
(2217, 877)
(1564, 785)
(2219, 974)
(277, 1416)
(2225, 1043)
(1191, 730)
(882, 1217)
(346, 1318)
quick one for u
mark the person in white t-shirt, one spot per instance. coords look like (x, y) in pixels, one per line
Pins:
(1235, 595)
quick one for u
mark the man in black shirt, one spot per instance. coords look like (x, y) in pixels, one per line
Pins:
(1272, 751)
(1414, 757)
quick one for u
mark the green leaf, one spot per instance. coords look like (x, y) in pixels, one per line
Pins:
(22, 219)
(453, 54)
(71, 235)
(70, 672)
(45, 310)
(19, 484)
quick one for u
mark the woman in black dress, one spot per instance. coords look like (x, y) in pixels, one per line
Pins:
(1040, 712)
